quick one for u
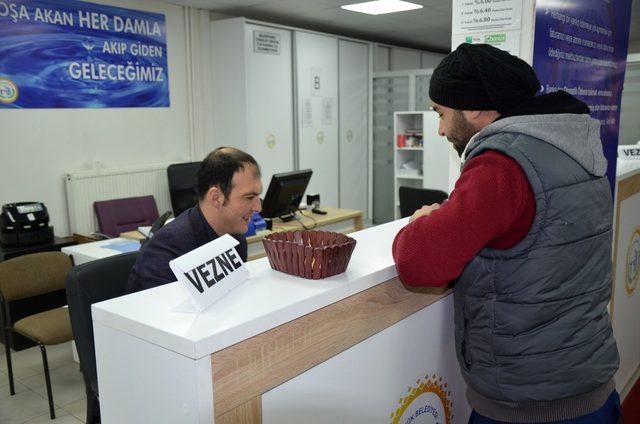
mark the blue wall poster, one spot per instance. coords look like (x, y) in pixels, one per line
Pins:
(581, 47)
(75, 54)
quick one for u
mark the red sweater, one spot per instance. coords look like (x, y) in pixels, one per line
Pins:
(492, 206)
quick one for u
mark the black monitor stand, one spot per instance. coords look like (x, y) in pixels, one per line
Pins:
(293, 204)
(288, 217)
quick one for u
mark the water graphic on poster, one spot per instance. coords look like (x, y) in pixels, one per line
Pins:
(581, 47)
(74, 54)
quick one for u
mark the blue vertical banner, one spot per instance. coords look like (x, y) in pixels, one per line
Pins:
(75, 54)
(580, 46)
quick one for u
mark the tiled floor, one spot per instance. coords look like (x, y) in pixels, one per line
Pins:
(29, 404)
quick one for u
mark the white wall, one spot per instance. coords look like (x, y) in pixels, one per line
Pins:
(401, 59)
(229, 99)
(430, 59)
(392, 58)
(39, 145)
(381, 58)
(630, 104)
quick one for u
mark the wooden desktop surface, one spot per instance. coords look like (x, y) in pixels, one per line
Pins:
(333, 216)
(307, 217)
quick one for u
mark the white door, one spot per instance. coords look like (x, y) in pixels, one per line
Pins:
(353, 85)
(317, 102)
(269, 99)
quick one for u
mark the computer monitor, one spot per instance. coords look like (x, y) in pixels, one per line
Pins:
(284, 194)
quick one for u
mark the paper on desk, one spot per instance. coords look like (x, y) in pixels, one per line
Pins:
(123, 246)
(145, 230)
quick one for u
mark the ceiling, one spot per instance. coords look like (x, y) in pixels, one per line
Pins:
(428, 28)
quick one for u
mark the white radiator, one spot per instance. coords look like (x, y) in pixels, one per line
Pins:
(86, 187)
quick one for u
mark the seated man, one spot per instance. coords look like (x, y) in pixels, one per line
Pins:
(228, 188)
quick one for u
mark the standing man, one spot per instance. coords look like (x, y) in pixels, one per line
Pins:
(526, 238)
(229, 190)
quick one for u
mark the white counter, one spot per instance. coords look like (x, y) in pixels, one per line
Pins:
(350, 344)
(625, 299)
(268, 299)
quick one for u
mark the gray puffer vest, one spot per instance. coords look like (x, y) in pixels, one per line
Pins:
(531, 321)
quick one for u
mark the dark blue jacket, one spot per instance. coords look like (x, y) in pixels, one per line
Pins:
(188, 231)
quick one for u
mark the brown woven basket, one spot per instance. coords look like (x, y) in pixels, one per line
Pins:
(309, 254)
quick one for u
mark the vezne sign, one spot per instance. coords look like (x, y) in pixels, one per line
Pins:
(211, 271)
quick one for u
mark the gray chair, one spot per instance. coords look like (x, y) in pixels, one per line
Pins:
(412, 199)
(87, 284)
(31, 276)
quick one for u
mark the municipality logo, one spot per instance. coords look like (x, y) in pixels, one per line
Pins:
(427, 403)
(8, 91)
(632, 264)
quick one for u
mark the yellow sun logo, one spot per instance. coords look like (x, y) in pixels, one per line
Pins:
(428, 402)
(632, 271)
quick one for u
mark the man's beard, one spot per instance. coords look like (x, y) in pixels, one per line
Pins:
(461, 132)
(459, 148)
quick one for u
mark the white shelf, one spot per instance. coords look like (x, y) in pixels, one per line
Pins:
(433, 157)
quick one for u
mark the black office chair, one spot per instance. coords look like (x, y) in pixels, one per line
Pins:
(89, 283)
(412, 199)
(183, 186)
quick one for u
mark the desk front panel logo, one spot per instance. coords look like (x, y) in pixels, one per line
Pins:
(429, 402)
(632, 264)
(8, 91)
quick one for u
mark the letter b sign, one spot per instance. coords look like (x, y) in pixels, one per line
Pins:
(316, 82)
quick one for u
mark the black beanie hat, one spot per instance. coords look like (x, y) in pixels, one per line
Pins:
(482, 77)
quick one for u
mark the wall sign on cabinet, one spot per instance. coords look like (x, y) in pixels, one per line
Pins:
(317, 83)
(266, 42)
